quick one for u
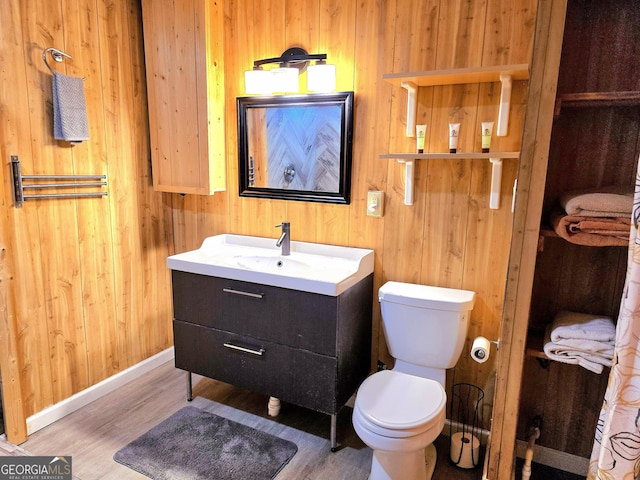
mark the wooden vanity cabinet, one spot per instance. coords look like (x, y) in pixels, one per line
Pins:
(304, 348)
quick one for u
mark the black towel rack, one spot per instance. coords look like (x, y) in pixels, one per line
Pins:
(67, 181)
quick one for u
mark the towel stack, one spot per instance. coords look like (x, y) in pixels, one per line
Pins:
(581, 339)
(599, 217)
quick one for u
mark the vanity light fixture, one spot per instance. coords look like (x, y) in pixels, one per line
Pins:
(321, 77)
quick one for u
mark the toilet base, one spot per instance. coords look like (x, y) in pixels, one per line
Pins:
(430, 457)
(418, 465)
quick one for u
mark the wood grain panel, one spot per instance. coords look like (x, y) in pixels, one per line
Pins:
(161, 73)
(61, 273)
(336, 36)
(591, 148)
(96, 255)
(89, 293)
(302, 25)
(460, 23)
(565, 277)
(508, 27)
(264, 24)
(572, 389)
(532, 169)
(373, 20)
(123, 242)
(16, 331)
(404, 225)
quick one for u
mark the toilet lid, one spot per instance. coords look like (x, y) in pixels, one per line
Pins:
(398, 401)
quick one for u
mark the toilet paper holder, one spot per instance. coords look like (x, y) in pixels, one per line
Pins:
(481, 348)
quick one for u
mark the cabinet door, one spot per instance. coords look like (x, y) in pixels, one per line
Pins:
(184, 59)
(289, 317)
(291, 374)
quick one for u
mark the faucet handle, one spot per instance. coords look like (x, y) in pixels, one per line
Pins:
(283, 225)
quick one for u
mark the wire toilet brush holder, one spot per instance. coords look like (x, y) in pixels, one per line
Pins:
(467, 405)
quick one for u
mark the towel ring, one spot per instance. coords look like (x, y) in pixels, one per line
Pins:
(55, 54)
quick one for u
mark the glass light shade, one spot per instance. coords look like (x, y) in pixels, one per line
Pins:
(285, 79)
(258, 82)
(321, 77)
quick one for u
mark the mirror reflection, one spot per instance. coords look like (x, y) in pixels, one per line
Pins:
(296, 147)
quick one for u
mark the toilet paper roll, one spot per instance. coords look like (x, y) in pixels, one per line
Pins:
(480, 349)
(465, 450)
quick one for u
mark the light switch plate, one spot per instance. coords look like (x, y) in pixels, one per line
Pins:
(375, 204)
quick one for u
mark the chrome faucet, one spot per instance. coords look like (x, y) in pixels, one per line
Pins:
(285, 238)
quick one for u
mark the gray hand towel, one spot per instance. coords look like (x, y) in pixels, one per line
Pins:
(69, 109)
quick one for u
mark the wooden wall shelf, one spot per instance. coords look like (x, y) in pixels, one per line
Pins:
(457, 76)
(596, 99)
(535, 344)
(451, 156)
(494, 157)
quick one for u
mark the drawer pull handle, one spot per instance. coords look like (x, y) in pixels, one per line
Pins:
(246, 294)
(242, 349)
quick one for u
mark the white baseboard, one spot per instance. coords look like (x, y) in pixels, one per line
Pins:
(69, 405)
(555, 458)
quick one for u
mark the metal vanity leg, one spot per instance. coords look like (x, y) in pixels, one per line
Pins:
(334, 443)
(189, 387)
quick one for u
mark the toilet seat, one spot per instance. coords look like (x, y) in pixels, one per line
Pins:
(395, 404)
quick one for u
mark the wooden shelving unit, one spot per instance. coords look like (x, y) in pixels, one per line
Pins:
(412, 80)
(494, 157)
(593, 144)
(596, 99)
(457, 76)
(535, 343)
(452, 156)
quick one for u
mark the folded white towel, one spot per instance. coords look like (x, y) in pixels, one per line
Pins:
(609, 201)
(590, 346)
(69, 109)
(592, 361)
(582, 326)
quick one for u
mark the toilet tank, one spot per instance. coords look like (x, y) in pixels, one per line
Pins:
(425, 325)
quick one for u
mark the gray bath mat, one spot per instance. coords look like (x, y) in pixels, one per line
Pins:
(194, 444)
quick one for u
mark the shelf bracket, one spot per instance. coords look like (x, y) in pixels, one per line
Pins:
(496, 180)
(505, 105)
(412, 94)
(408, 181)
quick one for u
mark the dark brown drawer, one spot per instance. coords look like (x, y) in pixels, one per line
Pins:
(296, 376)
(288, 317)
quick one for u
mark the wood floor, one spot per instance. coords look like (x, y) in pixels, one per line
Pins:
(94, 433)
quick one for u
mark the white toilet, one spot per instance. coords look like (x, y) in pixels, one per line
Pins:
(400, 412)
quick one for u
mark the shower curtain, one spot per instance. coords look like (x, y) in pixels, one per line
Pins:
(616, 448)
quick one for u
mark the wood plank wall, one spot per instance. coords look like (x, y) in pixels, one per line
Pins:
(85, 292)
(449, 237)
(84, 288)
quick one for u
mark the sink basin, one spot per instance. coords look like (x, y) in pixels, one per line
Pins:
(266, 263)
(311, 267)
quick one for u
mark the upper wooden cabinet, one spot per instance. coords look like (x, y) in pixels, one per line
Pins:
(184, 54)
